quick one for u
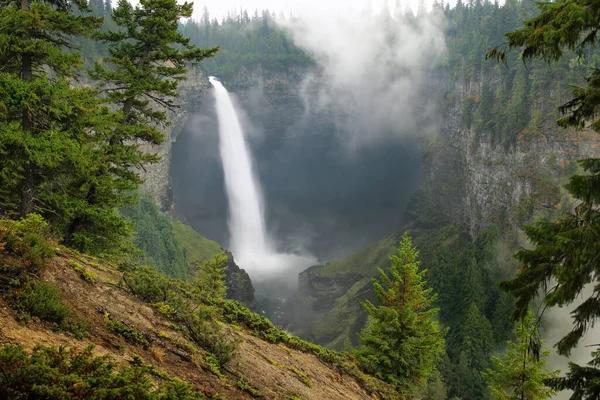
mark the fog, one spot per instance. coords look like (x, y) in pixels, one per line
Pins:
(374, 70)
(557, 323)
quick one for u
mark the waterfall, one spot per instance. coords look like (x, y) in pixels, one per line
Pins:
(249, 242)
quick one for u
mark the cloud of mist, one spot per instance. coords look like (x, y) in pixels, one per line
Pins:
(557, 323)
(374, 71)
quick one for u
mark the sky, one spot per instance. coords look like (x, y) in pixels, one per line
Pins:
(219, 8)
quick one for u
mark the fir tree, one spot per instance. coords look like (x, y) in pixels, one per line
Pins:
(44, 121)
(147, 60)
(566, 256)
(521, 373)
(402, 342)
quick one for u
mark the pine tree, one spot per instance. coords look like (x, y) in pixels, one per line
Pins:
(44, 121)
(521, 373)
(402, 342)
(566, 256)
(147, 60)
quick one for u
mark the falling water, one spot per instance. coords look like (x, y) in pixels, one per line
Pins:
(249, 241)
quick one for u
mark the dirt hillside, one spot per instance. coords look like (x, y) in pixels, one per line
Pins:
(258, 370)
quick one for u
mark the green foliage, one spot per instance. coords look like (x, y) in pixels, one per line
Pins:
(43, 300)
(147, 60)
(582, 380)
(301, 376)
(64, 152)
(565, 256)
(40, 118)
(402, 342)
(192, 306)
(210, 280)
(128, 332)
(156, 239)
(28, 240)
(521, 373)
(209, 335)
(58, 373)
(84, 273)
(247, 387)
(246, 41)
(151, 286)
(197, 248)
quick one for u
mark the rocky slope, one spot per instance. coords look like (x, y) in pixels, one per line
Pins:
(258, 369)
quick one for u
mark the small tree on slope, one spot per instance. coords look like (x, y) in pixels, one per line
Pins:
(402, 342)
(521, 374)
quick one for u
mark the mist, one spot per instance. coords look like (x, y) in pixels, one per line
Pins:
(557, 323)
(374, 71)
(338, 152)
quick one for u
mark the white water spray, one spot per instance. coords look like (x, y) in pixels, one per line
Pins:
(249, 242)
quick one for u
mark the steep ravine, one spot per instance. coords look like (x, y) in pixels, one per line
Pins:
(470, 182)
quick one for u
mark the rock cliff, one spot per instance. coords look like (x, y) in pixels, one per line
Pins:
(474, 182)
(157, 179)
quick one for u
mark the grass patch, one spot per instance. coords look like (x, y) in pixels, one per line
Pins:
(248, 388)
(128, 332)
(83, 273)
(197, 248)
(301, 376)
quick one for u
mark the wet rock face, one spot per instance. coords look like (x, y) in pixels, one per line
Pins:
(321, 291)
(474, 182)
(156, 177)
(239, 285)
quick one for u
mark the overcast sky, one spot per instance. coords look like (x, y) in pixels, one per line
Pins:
(219, 8)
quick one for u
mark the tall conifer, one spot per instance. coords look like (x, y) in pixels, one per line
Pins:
(402, 342)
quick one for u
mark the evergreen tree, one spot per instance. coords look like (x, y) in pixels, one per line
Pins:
(44, 121)
(147, 59)
(521, 374)
(582, 380)
(210, 280)
(567, 250)
(402, 342)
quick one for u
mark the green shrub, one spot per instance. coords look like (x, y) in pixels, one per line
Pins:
(79, 329)
(27, 239)
(301, 376)
(149, 285)
(83, 273)
(44, 301)
(234, 312)
(209, 336)
(248, 388)
(58, 373)
(128, 332)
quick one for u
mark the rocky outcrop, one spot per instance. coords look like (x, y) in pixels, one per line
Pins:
(157, 180)
(474, 182)
(239, 285)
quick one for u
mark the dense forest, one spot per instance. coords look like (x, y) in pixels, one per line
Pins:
(435, 323)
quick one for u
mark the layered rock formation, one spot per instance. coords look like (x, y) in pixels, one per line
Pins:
(157, 179)
(475, 182)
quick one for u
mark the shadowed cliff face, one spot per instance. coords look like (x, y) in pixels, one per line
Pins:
(318, 196)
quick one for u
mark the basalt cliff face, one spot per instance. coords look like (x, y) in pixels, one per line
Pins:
(475, 182)
(157, 179)
(472, 182)
(471, 179)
